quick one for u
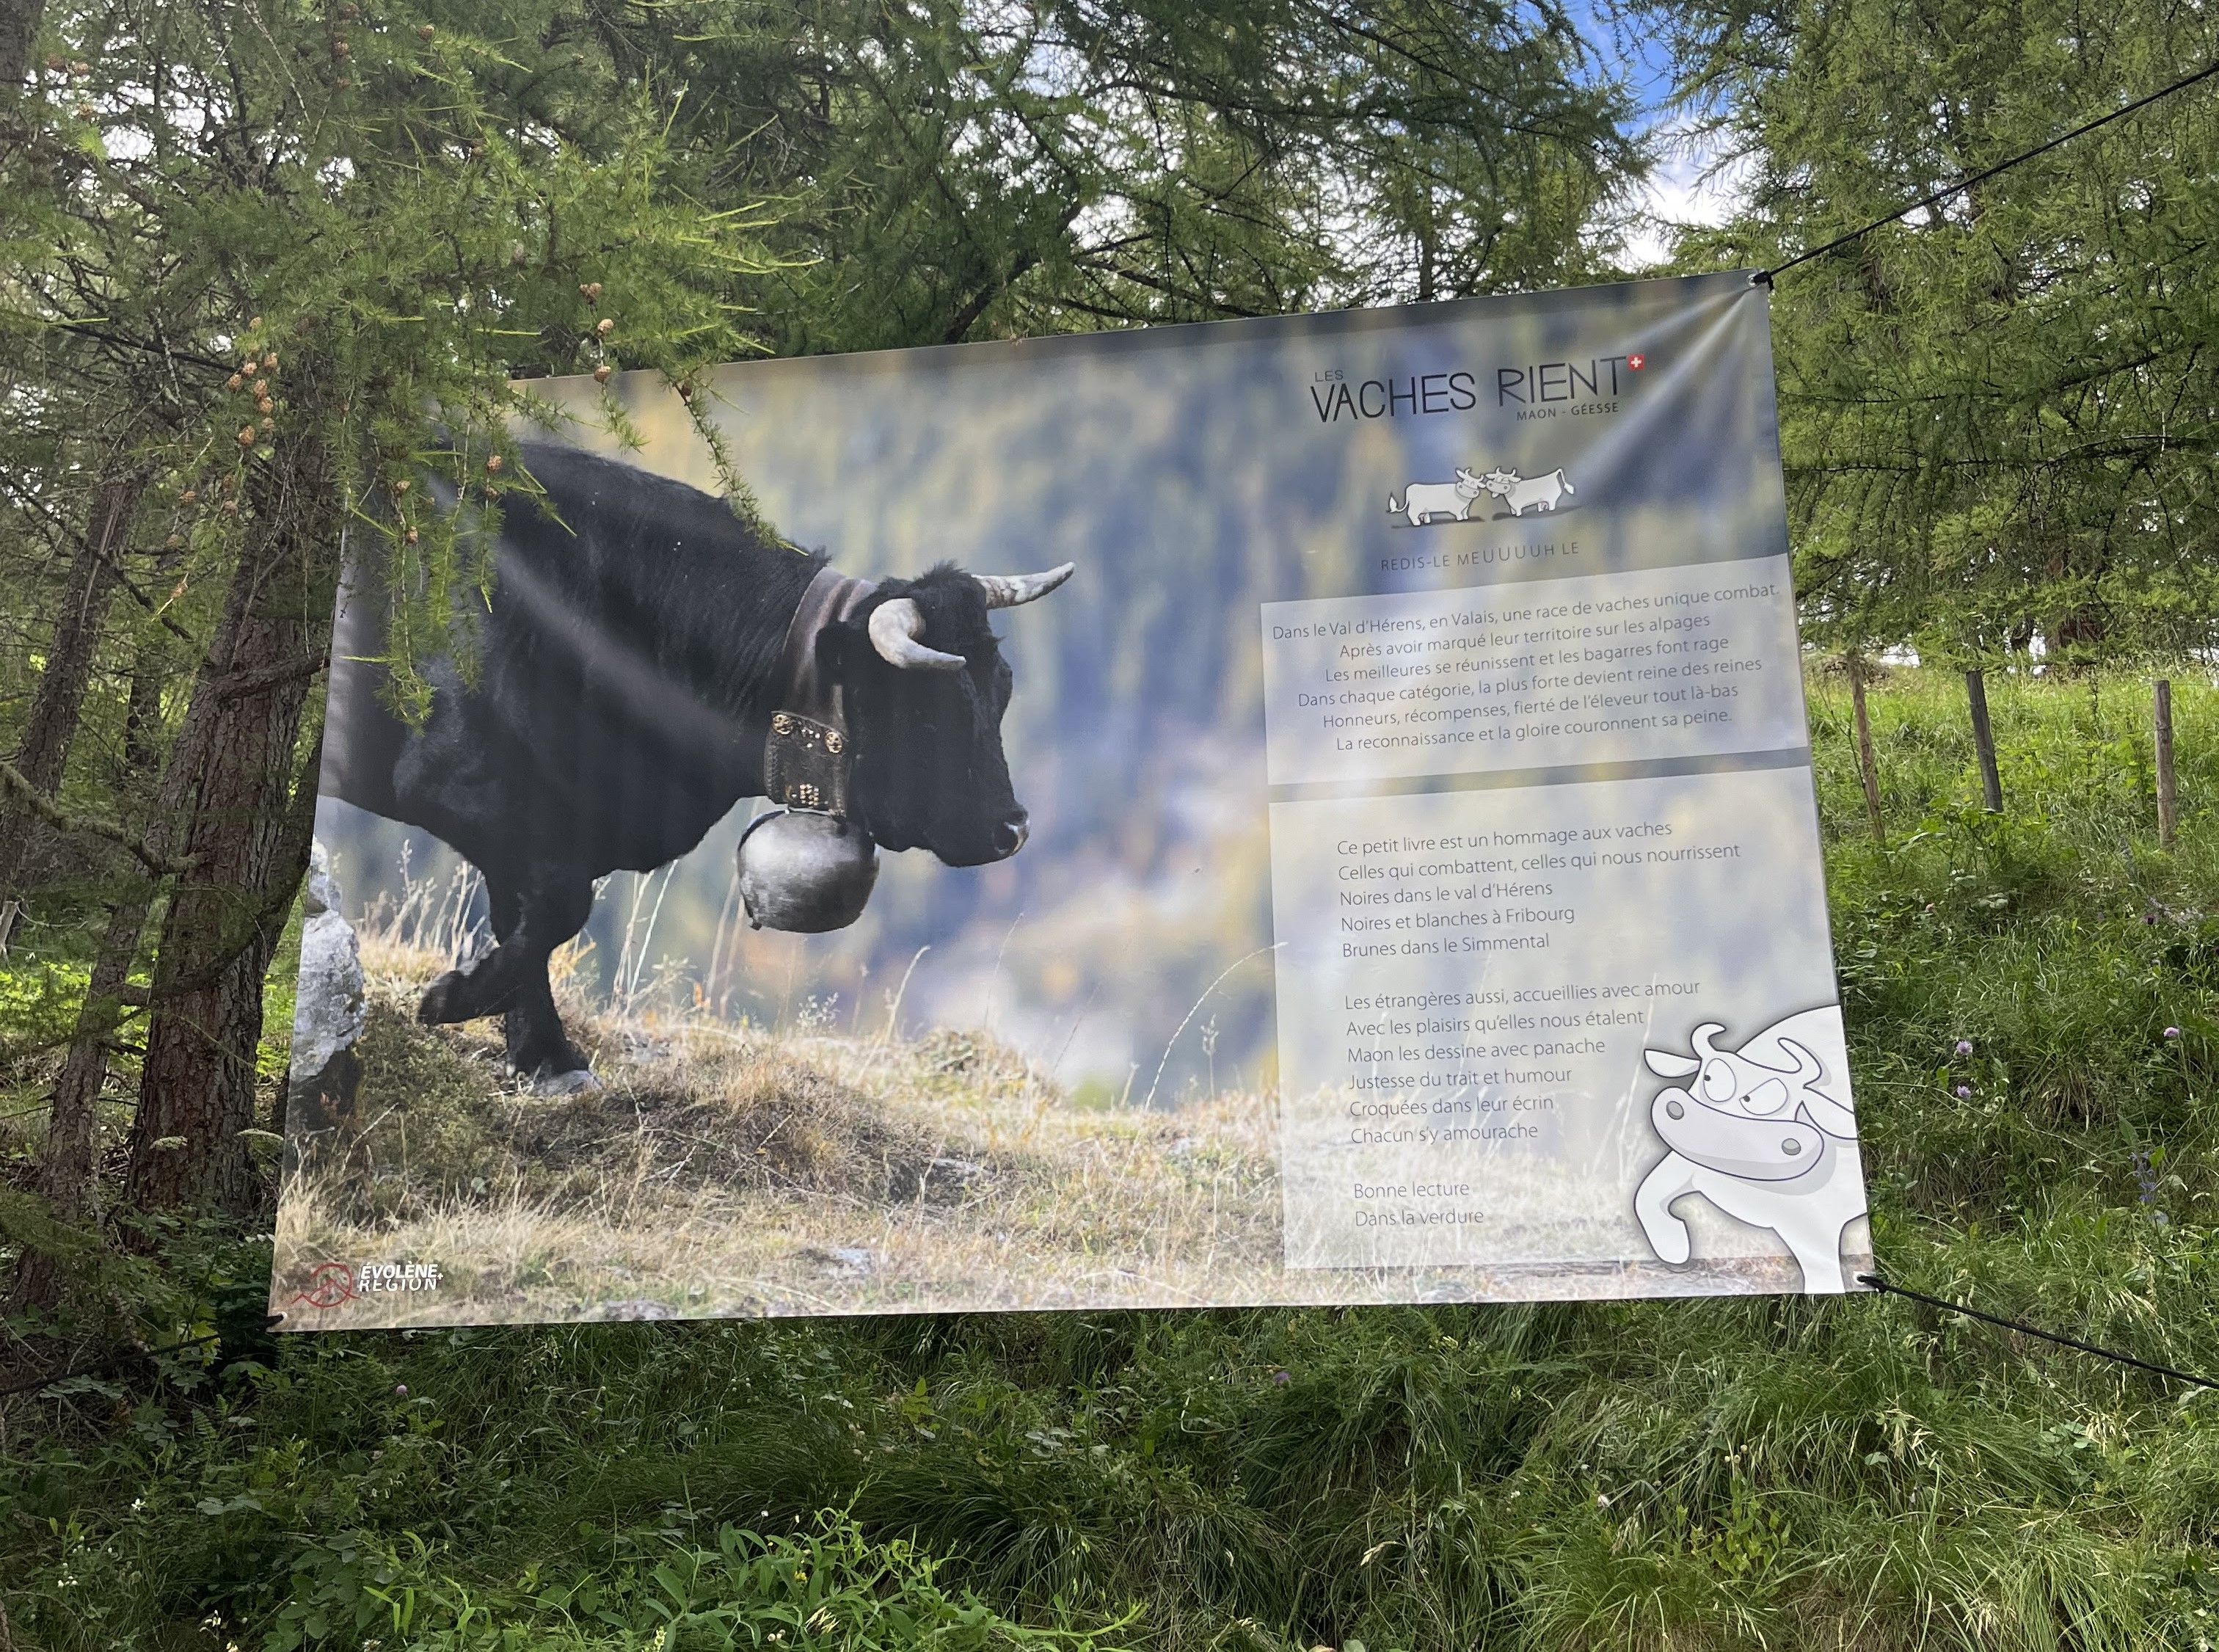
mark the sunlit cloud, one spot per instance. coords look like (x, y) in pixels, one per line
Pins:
(1695, 184)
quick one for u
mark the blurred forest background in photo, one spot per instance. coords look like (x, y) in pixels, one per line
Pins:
(1191, 481)
(277, 272)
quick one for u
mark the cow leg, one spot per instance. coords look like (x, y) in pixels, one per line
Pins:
(1811, 1229)
(548, 908)
(1673, 1179)
(538, 1046)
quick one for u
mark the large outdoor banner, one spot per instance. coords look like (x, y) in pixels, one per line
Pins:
(1310, 810)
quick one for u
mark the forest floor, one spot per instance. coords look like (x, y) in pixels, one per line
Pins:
(2033, 1008)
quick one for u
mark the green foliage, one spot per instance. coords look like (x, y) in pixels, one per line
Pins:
(373, 224)
(648, 1585)
(1055, 165)
(1741, 1473)
(1998, 416)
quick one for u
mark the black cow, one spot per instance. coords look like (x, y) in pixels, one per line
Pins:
(623, 685)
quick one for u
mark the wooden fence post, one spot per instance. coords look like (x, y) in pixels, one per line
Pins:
(2168, 798)
(1983, 740)
(1867, 768)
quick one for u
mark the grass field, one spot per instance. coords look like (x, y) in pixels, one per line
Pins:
(1859, 1473)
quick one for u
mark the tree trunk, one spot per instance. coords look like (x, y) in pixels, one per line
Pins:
(58, 702)
(19, 32)
(1868, 766)
(67, 1168)
(248, 839)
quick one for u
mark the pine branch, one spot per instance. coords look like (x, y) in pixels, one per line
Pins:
(88, 825)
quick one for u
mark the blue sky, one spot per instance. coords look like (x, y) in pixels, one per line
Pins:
(1677, 191)
(1643, 65)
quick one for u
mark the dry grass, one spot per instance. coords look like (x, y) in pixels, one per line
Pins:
(730, 1171)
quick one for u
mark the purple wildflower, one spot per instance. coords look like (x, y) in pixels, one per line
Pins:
(401, 1389)
(1964, 1046)
(1280, 1379)
(1964, 1092)
(2172, 1032)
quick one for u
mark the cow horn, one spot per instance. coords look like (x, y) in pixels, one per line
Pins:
(1015, 590)
(896, 624)
(1808, 1068)
(1701, 1037)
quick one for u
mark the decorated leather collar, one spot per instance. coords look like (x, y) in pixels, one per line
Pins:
(809, 754)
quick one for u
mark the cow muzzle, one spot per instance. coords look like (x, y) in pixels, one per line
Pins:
(1010, 832)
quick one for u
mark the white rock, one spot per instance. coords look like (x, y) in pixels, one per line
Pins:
(577, 1081)
(327, 1003)
(322, 894)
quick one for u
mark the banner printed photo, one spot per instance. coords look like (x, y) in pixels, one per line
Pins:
(1312, 810)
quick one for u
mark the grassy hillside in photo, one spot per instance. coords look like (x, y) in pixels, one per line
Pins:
(728, 1169)
(2031, 1000)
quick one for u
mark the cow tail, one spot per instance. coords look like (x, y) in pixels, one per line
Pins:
(1568, 485)
(1393, 509)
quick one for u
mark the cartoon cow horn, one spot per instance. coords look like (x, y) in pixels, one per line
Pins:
(1700, 1037)
(1808, 1068)
(1015, 590)
(896, 626)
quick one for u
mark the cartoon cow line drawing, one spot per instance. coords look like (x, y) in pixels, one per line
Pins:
(1767, 1132)
(1518, 492)
(1422, 502)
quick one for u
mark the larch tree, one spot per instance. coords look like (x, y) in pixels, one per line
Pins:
(275, 268)
(2000, 416)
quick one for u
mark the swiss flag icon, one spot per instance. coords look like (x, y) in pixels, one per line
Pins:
(1636, 361)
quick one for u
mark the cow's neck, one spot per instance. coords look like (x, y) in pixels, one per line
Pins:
(803, 686)
(809, 756)
(746, 680)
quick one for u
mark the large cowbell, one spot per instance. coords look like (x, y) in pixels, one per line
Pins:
(807, 872)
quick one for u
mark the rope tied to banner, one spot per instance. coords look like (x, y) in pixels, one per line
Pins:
(1764, 278)
(1892, 1290)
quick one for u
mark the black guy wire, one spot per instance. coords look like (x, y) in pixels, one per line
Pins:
(1880, 1284)
(38, 1384)
(1764, 276)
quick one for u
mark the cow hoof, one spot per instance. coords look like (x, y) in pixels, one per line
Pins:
(578, 1081)
(442, 1001)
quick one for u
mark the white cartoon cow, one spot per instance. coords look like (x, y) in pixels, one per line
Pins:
(1518, 493)
(1423, 500)
(1767, 1134)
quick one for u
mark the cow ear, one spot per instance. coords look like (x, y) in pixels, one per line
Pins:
(1665, 1065)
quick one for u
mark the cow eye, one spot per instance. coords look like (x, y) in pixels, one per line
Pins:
(1718, 1082)
(1768, 1097)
